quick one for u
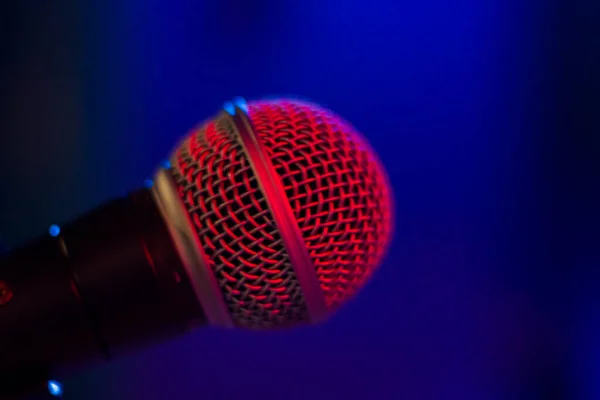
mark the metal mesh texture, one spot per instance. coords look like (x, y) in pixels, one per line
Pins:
(336, 188)
(236, 229)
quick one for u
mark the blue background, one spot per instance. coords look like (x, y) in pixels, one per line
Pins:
(484, 113)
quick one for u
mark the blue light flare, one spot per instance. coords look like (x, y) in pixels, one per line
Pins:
(166, 164)
(55, 388)
(241, 103)
(54, 230)
(230, 108)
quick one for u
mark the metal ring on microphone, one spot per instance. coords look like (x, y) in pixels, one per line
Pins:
(287, 225)
(190, 250)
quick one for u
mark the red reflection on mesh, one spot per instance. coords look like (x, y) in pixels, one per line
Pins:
(334, 184)
(236, 229)
(336, 188)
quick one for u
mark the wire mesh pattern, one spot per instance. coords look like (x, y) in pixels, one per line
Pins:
(233, 222)
(336, 188)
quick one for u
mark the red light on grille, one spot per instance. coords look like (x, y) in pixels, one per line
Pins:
(324, 177)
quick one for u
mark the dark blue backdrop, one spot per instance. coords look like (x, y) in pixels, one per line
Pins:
(461, 101)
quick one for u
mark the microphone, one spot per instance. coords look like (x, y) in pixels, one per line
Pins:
(270, 215)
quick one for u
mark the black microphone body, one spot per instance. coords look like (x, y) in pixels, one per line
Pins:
(109, 282)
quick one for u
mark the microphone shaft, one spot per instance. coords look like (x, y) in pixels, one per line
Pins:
(109, 282)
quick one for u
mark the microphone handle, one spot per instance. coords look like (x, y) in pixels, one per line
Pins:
(109, 282)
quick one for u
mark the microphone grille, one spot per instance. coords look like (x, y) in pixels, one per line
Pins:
(336, 187)
(243, 247)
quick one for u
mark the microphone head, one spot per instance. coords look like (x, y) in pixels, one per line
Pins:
(284, 212)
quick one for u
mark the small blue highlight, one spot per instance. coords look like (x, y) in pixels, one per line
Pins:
(166, 164)
(54, 230)
(55, 388)
(148, 183)
(230, 108)
(241, 103)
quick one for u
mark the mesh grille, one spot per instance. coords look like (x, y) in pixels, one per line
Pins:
(236, 229)
(336, 187)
